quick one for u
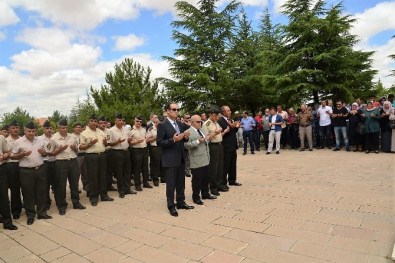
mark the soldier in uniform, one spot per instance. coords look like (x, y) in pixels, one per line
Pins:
(5, 131)
(186, 125)
(4, 201)
(49, 161)
(120, 156)
(12, 170)
(65, 150)
(215, 168)
(229, 145)
(155, 152)
(77, 128)
(93, 142)
(30, 150)
(110, 172)
(139, 154)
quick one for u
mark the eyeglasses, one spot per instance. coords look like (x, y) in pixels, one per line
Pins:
(138, 121)
(175, 109)
(199, 122)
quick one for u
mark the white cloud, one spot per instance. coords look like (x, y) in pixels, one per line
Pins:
(129, 42)
(374, 20)
(2, 36)
(8, 16)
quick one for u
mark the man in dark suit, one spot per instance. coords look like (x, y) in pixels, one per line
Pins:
(171, 137)
(229, 145)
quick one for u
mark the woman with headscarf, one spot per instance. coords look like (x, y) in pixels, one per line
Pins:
(371, 118)
(354, 132)
(385, 127)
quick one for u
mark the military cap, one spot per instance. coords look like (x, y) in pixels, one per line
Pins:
(63, 122)
(14, 123)
(118, 115)
(77, 123)
(93, 117)
(47, 124)
(101, 118)
(30, 125)
(138, 117)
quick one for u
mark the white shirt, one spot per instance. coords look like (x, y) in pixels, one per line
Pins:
(325, 117)
(58, 141)
(24, 145)
(116, 134)
(10, 142)
(48, 147)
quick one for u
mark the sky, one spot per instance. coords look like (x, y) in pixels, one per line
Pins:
(53, 51)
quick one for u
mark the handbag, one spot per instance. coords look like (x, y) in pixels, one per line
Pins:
(361, 128)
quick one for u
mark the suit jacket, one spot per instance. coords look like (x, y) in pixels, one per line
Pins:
(199, 153)
(172, 152)
(229, 140)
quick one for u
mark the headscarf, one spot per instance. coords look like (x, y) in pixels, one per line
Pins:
(387, 111)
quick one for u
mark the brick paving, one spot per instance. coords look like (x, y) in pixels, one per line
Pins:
(315, 206)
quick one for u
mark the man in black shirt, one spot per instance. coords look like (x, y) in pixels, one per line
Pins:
(339, 120)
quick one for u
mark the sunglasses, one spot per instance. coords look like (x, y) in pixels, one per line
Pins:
(138, 121)
(199, 122)
(175, 109)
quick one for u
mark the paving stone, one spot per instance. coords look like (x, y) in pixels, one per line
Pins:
(154, 255)
(146, 237)
(225, 244)
(11, 250)
(55, 254)
(221, 256)
(105, 255)
(34, 242)
(74, 258)
(186, 249)
(128, 246)
(186, 234)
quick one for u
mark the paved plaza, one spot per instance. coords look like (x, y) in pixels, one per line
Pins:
(318, 206)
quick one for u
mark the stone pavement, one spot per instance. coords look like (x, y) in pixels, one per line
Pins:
(294, 207)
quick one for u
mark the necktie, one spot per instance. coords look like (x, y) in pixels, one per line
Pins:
(176, 127)
(200, 133)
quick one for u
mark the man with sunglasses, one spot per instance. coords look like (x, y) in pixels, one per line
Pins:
(171, 137)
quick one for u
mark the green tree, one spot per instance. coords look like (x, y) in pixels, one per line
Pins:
(130, 91)
(56, 117)
(20, 115)
(82, 110)
(198, 70)
(320, 60)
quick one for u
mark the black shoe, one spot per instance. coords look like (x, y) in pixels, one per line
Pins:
(79, 206)
(130, 192)
(210, 197)
(185, 206)
(347, 149)
(223, 189)
(311, 149)
(138, 188)
(147, 185)
(268, 152)
(62, 212)
(252, 152)
(16, 216)
(30, 221)
(44, 217)
(258, 150)
(235, 184)
(244, 153)
(376, 152)
(198, 202)
(277, 152)
(215, 193)
(121, 195)
(94, 203)
(106, 198)
(111, 189)
(11, 227)
(301, 150)
(156, 183)
(173, 211)
(336, 149)
(187, 175)
(367, 151)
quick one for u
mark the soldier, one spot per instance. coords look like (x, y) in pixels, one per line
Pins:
(150, 124)
(139, 154)
(77, 128)
(110, 172)
(5, 131)
(12, 170)
(215, 168)
(120, 156)
(4, 201)
(155, 152)
(65, 150)
(29, 150)
(93, 142)
(187, 124)
(49, 161)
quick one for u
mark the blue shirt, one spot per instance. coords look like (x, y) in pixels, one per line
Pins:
(279, 118)
(247, 124)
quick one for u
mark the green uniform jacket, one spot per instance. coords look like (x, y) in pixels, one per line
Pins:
(372, 124)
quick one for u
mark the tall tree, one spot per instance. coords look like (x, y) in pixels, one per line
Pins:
(19, 114)
(320, 60)
(82, 110)
(129, 90)
(198, 70)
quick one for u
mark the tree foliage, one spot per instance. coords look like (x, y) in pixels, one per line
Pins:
(19, 114)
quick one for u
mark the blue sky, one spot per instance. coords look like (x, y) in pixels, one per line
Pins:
(52, 51)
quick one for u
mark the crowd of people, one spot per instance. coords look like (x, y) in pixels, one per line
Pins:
(167, 149)
(367, 127)
(102, 153)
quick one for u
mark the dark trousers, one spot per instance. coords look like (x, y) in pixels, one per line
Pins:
(4, 201)
(140, 165)
(14, 183)
(266, 138)
(175, 181)
(248, 135)
(293, 138)
(155, 162)
(120, 160)
(66, 170)
(110, 167)
(284, 137)
(199, 181)
(96, 165)
(216, 166)
(325, 136)
(50, 173)
(229, 171)
(34, 187)
(372, 141)
(257, 139)
(82, 170)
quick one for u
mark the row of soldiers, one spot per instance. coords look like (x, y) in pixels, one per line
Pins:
(97, 153)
